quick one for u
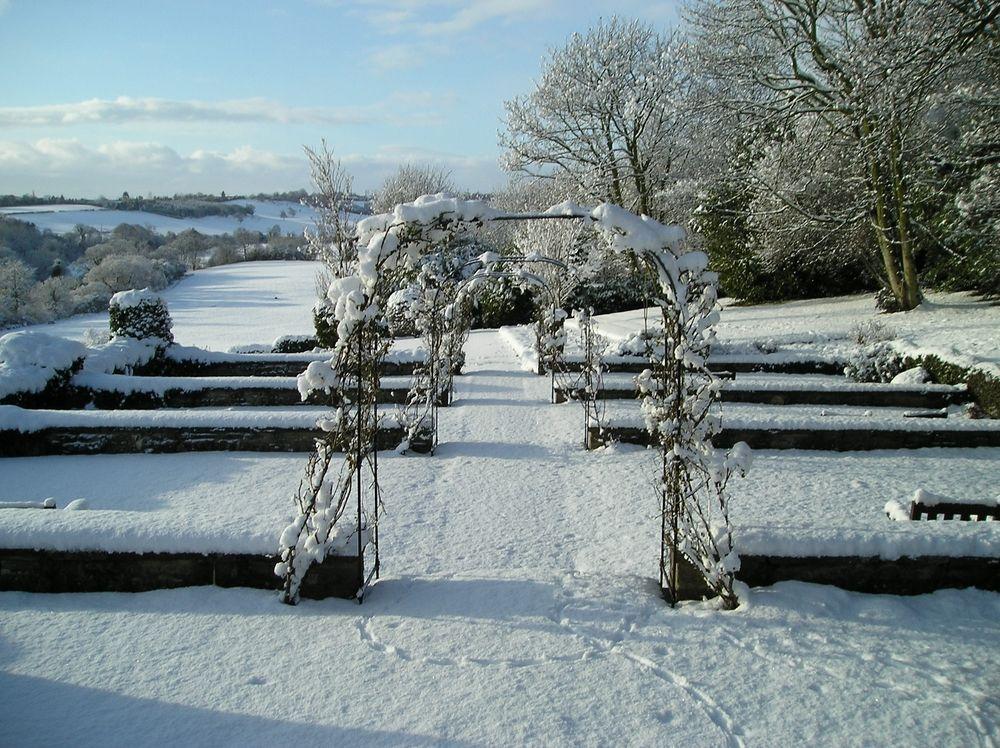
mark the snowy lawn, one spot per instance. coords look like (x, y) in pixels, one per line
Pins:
(956, 326)
(221, 307)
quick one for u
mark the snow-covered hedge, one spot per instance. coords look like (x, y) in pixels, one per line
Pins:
(35, 368)
(294, 344)
(140, 314)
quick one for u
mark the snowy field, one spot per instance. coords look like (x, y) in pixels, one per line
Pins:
(226, 306)
(517, 603)
(63, 218)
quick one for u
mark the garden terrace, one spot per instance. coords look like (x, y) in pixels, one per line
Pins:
(778, 363)
(45, 432)
(119, 391)
(184, 361)
(813, 516)
(836, 428)
(157, 521)
(803, 389)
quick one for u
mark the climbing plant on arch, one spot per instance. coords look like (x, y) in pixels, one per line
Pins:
(339, 498)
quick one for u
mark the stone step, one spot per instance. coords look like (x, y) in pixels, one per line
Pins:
(249, 365)
(202, 394)
(869, 396)
(830, 440)
(87, 440)
(47, 571)
(778, 364)
(902, 576)
(30, 570)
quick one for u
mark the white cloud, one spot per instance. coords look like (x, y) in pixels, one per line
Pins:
(68, 166)
(4, 6)
(127, 110)
(436, 17)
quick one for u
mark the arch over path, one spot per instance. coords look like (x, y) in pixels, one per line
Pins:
(680, 392)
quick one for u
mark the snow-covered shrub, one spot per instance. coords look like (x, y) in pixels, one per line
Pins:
(642, 343)
(294, 344)
(398, 312)
(878, 362)
(501, 303)
(325, 324)
(870, 331)
(140, 314)
(886, 302)
(35, 368)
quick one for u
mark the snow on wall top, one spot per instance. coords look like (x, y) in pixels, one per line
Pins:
(20, 349)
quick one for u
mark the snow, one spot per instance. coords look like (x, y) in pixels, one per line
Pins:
(129, 299)
(120, 354)
(35, 349)
(64, 218)
(522, 342)
(221, 307)
(526, 615)
(29, 360)
(958, 327)
(517, 602)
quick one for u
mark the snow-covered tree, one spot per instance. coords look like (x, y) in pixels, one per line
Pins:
(16, 281)
(604, 115)
(866, 70)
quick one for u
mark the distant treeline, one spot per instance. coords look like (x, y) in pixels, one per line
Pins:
(187, 206)
(193, 205)
(46, 276)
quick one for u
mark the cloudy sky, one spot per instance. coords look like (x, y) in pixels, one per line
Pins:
(185, 95)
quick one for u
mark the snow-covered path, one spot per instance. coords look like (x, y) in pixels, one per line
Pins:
(517, 606)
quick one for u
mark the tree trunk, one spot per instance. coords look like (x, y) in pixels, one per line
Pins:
(881, 223)
(911, 286)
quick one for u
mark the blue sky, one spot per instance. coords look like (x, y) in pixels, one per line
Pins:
(105, 96)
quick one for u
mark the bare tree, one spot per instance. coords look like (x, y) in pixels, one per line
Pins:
(409, 182)
(331, 242)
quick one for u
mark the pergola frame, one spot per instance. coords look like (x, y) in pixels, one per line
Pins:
(415, 230)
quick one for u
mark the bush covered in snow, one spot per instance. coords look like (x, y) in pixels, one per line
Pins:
(140, 314)
(398, 315)
(878, 362)
(294, 344)
(325, 324)
(35, 368)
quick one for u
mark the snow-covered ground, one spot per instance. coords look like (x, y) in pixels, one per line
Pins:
(517, 603)
(957, 326)
(63, 218)
(221, 307)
